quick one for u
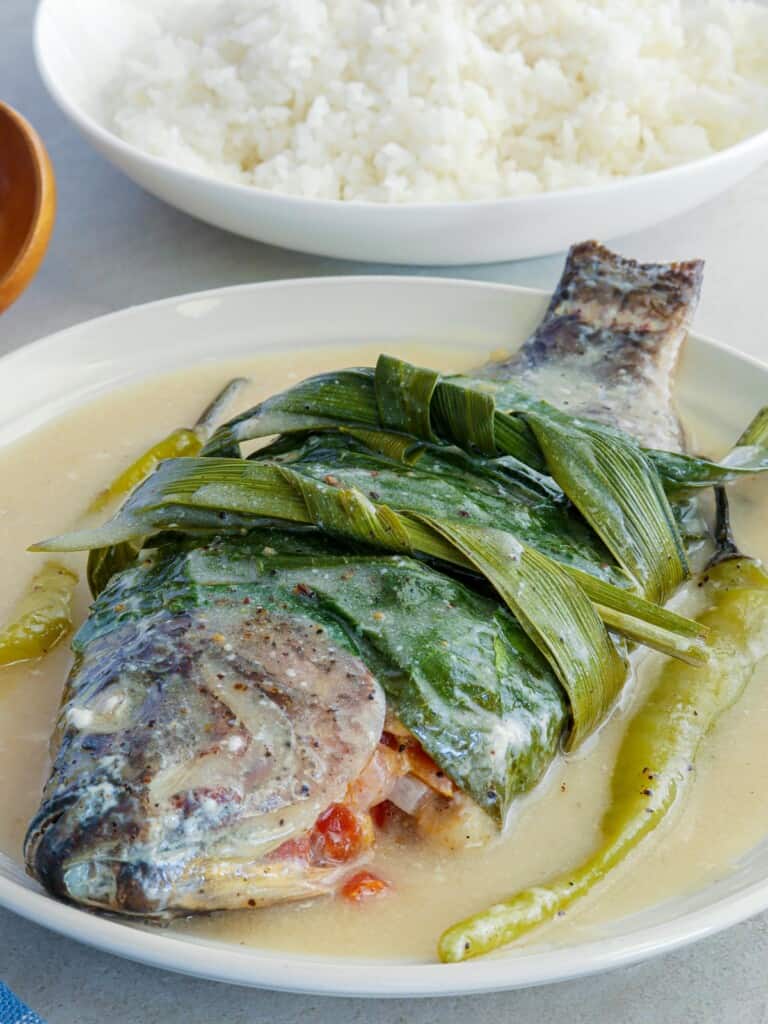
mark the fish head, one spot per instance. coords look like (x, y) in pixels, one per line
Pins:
(191, 747)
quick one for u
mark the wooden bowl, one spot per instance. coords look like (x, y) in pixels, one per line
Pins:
(27, 204)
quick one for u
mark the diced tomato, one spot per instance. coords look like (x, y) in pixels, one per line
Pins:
(363, 886)
(338, 835)
(384, 814)
(293, 849)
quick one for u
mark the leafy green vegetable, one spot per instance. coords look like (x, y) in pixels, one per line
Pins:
(557, 615)
(618, 492)
(333, 400)
(404, 396)
(321, 402)
(748, 456)
(104, 562)
(606, 475)
(232, 495)
(459, 671)
(449, 484)
(603, 472)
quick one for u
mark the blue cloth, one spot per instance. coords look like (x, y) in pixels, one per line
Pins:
(13, 1011)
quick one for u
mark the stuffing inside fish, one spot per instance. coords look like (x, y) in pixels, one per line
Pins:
(222, 738)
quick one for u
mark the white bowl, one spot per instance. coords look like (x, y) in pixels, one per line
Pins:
(45, 379)
(78, 46)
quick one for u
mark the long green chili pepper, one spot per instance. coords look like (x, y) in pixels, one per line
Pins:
(180, 442)
(104, 562)
(183, 441)
(41, 618)
(657, 754)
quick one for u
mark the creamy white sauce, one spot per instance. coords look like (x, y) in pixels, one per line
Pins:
(552, 829)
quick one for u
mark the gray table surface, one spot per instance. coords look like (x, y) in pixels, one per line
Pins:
(115, 246)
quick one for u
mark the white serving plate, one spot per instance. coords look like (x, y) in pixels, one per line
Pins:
(78, 45)
(40, 381)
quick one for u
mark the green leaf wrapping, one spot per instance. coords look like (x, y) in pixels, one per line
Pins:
(183, 488)
(556, 614)
(458, 670)
(404, 397)
(332, 400)
(103, 563)
(604, 473)
(748, 456)
(449, 484)
(321, 402)
(230, 495)
(620, 495)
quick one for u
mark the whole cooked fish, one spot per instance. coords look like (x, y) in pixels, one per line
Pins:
(224, 699)
(239, 704)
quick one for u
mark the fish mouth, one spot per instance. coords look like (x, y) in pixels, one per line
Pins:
(75, 866)
(166, 890)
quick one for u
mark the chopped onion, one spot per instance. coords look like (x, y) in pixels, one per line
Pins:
(408, 794)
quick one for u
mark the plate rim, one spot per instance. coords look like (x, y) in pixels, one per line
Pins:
(310, 974)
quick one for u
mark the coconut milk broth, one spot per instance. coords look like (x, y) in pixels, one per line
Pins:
(50, 476)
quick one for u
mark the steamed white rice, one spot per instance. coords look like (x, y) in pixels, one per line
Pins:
(431, 100)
